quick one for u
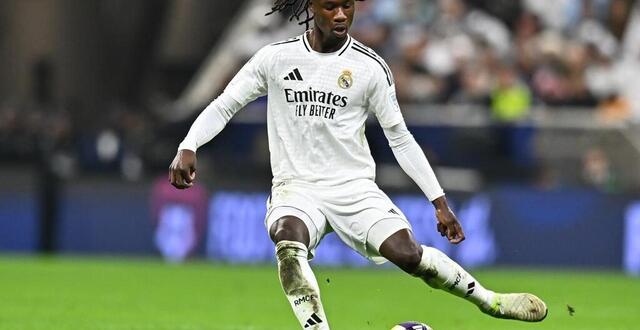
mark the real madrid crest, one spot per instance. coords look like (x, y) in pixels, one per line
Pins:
(345, 81)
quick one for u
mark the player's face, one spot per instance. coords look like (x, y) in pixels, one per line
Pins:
(333, 17)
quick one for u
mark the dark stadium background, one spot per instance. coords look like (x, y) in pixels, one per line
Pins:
(528, 110)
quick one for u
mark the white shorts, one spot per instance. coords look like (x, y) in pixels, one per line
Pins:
(359, 212)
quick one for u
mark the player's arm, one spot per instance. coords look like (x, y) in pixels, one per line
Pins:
(248, 84)
(383, 103)
(414, 162)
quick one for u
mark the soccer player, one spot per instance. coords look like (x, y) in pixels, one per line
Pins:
(321, 86)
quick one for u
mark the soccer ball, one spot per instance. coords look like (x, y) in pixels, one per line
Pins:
(411, 325)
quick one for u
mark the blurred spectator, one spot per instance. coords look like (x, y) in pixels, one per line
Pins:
(510, 100)
(527, 52)
(476, 84)
(416, 83)
(511, 103)
(597, 170)
(619, 11)
(615, 108)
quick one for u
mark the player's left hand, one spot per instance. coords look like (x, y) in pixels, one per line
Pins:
(448, 224)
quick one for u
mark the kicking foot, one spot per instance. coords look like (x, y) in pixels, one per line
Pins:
(517, 306)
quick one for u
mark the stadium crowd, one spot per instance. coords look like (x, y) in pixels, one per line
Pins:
(510, 54)
(507, 56)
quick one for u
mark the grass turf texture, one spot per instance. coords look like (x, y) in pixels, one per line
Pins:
(64, 293)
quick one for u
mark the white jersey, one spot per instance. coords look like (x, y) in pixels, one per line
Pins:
(317, 107)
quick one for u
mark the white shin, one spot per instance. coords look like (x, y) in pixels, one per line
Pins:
(440, 272)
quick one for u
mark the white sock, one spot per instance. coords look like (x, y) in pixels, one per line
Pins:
(440, 272)
(300, 285)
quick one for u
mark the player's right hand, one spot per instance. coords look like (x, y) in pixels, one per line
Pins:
(182, 171)
(448, 225)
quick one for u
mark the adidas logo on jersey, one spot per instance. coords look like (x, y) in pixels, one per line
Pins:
(313, 320)
(294, 75)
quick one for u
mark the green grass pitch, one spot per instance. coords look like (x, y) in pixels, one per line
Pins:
(76, 293)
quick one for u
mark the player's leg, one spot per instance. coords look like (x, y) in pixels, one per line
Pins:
(440, 272)
(432, 266)
(292, 237)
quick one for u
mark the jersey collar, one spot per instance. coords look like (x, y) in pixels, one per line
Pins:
(307, 46)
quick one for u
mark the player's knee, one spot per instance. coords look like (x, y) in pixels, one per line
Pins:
(289, 229)
(408, 259)
(286, 234)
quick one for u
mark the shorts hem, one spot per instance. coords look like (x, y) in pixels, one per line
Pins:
(306, 222)
(376, 249)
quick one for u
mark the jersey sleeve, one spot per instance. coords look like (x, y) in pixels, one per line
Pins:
(382, 96)
(247, 85)
(251, 81)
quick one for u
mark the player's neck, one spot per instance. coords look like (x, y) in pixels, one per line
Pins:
(323, 43)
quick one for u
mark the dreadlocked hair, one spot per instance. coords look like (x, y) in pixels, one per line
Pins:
(298, 8)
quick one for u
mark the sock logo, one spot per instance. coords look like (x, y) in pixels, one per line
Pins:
(470, 288)
(456, 282)
(294, 75)
(302, 299)
(313, 320)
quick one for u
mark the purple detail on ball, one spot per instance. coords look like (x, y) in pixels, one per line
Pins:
(413, 325)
